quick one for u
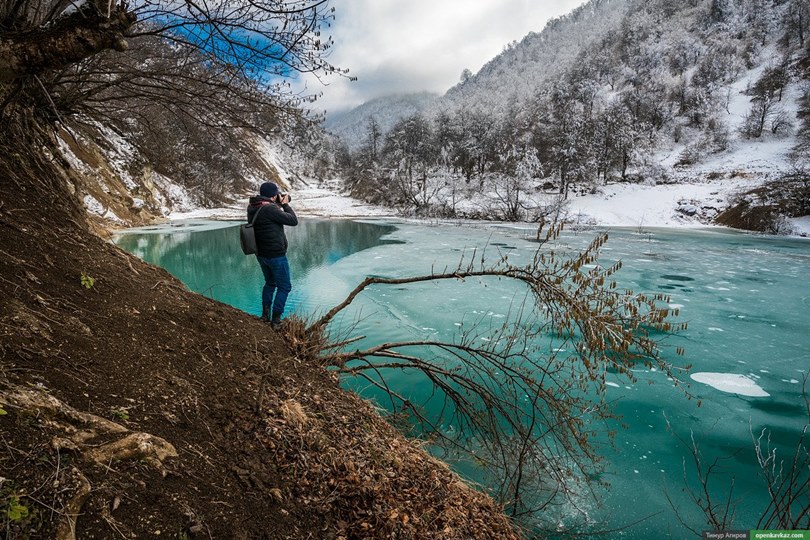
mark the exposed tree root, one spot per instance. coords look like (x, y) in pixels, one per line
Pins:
(66, 530)
(80, 432)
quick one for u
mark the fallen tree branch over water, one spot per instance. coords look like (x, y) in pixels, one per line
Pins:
(526, 399)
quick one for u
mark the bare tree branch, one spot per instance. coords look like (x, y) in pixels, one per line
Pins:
(786, 482)
(518, 405)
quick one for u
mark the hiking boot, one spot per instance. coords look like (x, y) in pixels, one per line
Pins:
(275, 323)
(266, 314)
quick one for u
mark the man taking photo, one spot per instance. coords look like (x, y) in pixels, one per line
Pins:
(271, 242)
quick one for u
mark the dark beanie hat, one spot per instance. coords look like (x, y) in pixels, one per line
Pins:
(268, 189)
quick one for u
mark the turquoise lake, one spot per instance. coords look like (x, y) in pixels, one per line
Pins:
(746, 299)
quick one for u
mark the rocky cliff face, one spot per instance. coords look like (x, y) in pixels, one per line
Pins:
(120, 187)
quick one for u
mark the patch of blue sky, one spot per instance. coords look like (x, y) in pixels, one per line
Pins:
(257, 56)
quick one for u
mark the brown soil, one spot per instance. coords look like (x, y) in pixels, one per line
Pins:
(86, 369)
(763, 209)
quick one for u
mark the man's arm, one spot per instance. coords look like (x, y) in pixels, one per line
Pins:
(284, 215)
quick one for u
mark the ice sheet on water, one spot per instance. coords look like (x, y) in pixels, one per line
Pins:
(173, 227)
(731, 383)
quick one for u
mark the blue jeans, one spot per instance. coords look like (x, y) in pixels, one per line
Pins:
(276, 272)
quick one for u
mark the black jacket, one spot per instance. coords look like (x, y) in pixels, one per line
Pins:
(269, 226)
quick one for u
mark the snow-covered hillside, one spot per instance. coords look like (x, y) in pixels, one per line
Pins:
(523, 67)
(119, 186)
(513, 75)
(648, 92)
(352, 126)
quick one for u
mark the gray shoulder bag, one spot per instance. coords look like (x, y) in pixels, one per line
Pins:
(247, 236)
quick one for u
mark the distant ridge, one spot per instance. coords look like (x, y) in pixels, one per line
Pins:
(514, 74)
(351, 126)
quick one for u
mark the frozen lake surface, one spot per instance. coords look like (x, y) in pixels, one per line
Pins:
(746, 299)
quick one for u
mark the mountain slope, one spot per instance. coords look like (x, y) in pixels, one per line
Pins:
(120, 186)
(513, 75)
(518, 72)
(640, 91)
(351, 126)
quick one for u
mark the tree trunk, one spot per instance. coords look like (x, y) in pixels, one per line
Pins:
(70, 40)
(763, 115)
(564, 182)
(625, 164)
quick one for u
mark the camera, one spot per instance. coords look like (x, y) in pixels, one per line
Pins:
(282, 195)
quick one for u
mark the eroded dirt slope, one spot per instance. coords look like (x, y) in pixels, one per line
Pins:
(131, 403)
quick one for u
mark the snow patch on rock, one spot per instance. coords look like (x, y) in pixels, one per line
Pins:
(95, 207)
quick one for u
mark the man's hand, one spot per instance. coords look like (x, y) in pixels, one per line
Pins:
(285, 199)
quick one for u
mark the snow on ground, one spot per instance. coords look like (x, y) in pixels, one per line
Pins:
(307, 200)
(314, 202)
(95, 207)
(325, 203)
(171, 195)
(120, 154)
(801, 226)
(616, 205)
(636, 205)
(271, 154)
(235, 211)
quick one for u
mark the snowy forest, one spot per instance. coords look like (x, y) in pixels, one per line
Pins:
(597, 97)
(617, 91)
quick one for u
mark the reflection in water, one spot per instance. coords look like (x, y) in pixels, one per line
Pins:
(211, 262)
(320, 243)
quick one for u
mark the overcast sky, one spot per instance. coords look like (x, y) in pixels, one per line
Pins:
(398, 46)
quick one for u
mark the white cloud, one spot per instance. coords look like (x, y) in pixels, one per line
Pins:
(395, 46)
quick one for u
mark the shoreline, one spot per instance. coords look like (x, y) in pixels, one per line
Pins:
(235, 214)
(625, 206)
(204, 222)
